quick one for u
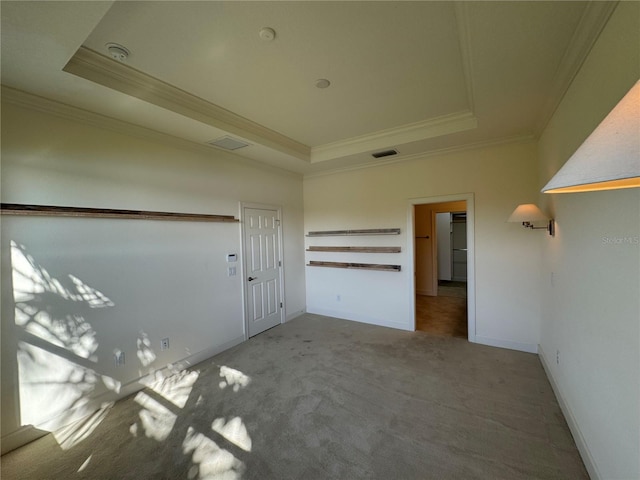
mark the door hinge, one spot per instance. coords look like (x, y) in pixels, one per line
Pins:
(279, 263)
(280, 304)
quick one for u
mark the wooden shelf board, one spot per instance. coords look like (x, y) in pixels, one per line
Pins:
(56, 211)
(358, 266)
(371, 231)
(356, 249)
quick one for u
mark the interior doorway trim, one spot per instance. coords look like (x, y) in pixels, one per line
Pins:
(471, 258)
(243, 261)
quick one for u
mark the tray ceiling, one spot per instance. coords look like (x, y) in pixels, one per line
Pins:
(413, 76)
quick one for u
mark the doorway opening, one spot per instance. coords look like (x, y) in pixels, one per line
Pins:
(443, 293)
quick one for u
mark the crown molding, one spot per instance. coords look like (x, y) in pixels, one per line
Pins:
(464, 39)
(30, 101)
(413, 132)
(33, 102)
(592, 22)
(109, 73)
(425, 155)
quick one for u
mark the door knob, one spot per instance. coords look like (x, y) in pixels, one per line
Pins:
(251, 279)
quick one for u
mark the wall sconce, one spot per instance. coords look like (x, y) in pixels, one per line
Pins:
(528, 213)
(609, 158)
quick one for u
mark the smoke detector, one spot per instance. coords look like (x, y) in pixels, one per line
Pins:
(267, 34)
(117, 52)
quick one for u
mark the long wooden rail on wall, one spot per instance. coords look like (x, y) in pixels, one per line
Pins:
(355, 249)
(358, 266)
(55, 211)
(370, 231)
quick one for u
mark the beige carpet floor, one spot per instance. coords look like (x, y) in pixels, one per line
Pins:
(322, 398)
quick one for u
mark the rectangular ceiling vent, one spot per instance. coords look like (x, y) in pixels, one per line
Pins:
(384, 153)
(228, 143)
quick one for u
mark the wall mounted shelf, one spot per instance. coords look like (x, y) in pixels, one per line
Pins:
(372, 231)
(56, 211)
(357, 266)
(356, 249)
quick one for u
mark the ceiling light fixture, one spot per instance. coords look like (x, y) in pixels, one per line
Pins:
(117, 52)
(267, 34)
(322, 83)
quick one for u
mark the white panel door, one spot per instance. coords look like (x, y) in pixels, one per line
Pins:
(262, 254)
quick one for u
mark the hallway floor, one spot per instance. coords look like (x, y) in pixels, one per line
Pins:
(446, 314)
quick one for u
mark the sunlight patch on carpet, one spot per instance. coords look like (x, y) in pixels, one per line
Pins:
(210, 461)
(71, 435)
(234, 430)
(175, 388)
(157, 420)
(85, 463)
(233, 378)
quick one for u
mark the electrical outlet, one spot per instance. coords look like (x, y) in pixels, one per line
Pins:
(557, 357)
(338, 298)
(119, 358)
(231, 272)
(164, 344)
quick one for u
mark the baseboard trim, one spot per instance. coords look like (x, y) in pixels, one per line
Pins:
(297, 314)
(427, 293)
(360, 318)
(494, 342)
(581, 443)
(29, 433)
(20, 437)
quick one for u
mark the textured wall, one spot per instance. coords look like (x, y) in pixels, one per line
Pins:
(75, 290)
(590, 331)
(507, 257)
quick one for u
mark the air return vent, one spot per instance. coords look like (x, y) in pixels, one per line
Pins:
(384, 153)
(228, 143)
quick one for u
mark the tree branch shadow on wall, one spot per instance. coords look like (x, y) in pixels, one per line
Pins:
(57, 358)
(56, 344)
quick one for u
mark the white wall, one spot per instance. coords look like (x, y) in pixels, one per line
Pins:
(507, 256)
(155, 279)
(443, 229)
(591, 313)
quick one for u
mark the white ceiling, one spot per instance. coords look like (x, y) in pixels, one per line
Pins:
(414, 76)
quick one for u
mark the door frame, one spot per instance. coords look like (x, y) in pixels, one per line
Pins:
(471, 258)
(243, 263)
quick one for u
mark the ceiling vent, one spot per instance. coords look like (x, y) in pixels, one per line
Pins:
(228, 143)
(384, 153)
